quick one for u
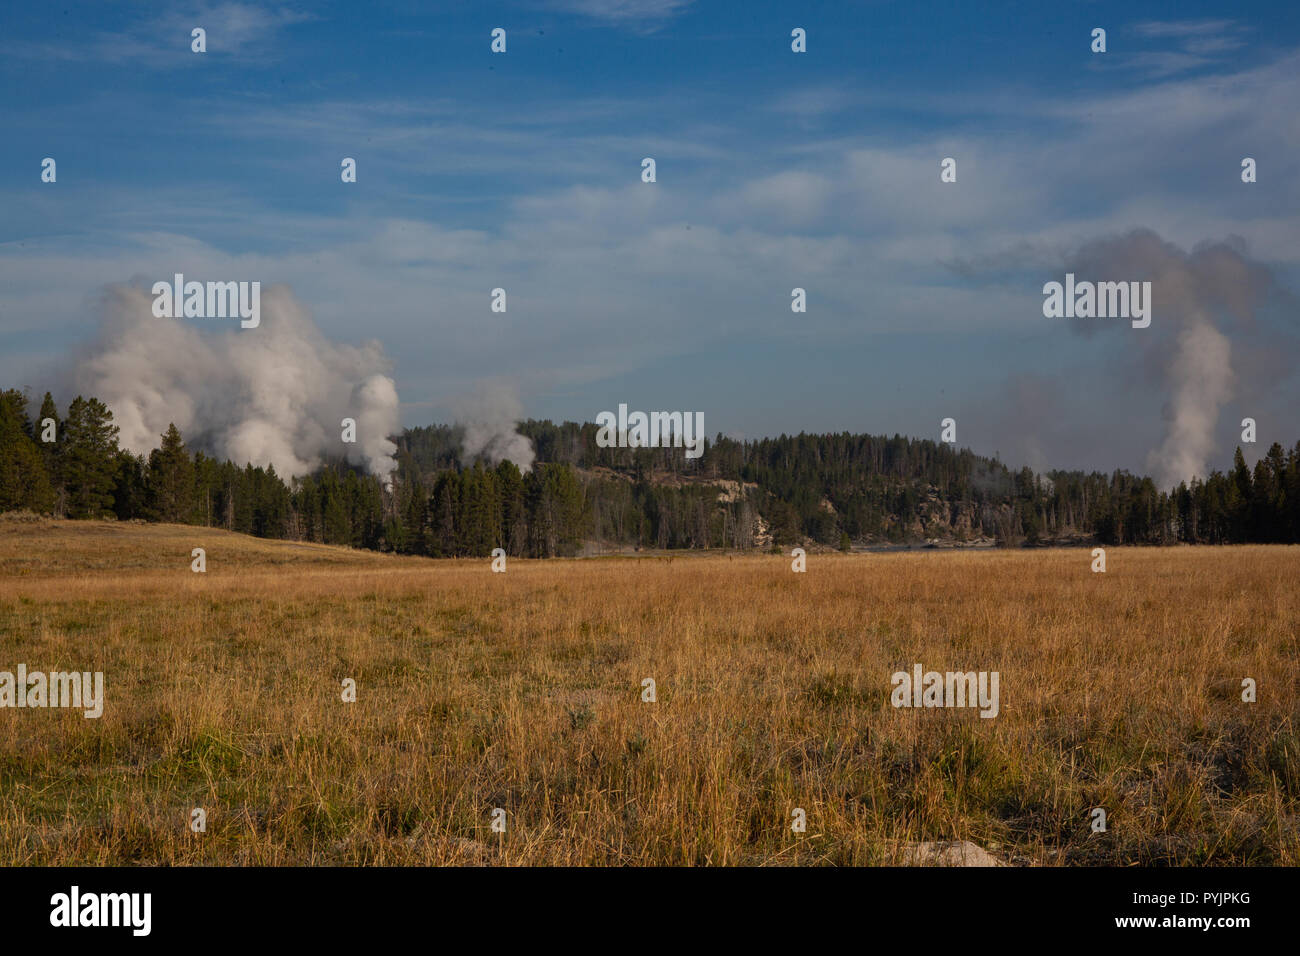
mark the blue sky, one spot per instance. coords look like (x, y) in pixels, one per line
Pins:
(775, 170)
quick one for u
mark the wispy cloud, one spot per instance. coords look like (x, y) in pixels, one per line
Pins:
(1183, 28)
(1195, 45)
(637, 13)
(163, 42)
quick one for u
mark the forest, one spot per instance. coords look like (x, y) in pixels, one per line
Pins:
(835, 490)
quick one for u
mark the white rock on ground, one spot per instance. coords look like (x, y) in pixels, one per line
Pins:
(949, 853)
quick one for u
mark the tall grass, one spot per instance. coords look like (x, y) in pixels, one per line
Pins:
(523, 691)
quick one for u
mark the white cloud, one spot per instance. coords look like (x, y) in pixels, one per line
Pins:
(1183, 28)
(624, 10)
(163, 42)
(1197, 44)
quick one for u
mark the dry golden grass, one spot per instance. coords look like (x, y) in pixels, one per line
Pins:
(522, 691)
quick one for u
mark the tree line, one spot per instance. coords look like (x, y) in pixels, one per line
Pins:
(837, 490)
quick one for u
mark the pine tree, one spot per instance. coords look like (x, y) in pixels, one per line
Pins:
(51, 451)
(416, 518)
(514, 513)
(171, 480)
(89, 458)
(1243, 491)
(335, 524)
(24, 481)
(130, 488)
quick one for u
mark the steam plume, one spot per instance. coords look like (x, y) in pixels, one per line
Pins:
(275, 395)
(1201, 377)
(490, 417)
(1200, 301)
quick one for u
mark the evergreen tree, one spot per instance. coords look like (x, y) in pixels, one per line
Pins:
(170, 480)
(130, 488)
(24, 481)
(51, 451)
(89, 458)
(514, 512)
(335, 524)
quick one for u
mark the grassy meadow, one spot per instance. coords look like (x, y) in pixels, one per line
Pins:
(522, 691)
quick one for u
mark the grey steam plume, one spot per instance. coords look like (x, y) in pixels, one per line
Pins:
(274, 395)
(490, 418)
(1201, 377)
(1205, 339)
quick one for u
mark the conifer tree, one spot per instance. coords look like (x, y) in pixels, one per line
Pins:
(171, 480)
(24, 481)
(89, 458)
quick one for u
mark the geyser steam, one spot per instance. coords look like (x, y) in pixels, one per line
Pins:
(275, 395)
(1205, 342)
(490, 417)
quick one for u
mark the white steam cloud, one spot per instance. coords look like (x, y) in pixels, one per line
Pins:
(490, 418)
(1201, 379)
(1206, 339)
(275, 395)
